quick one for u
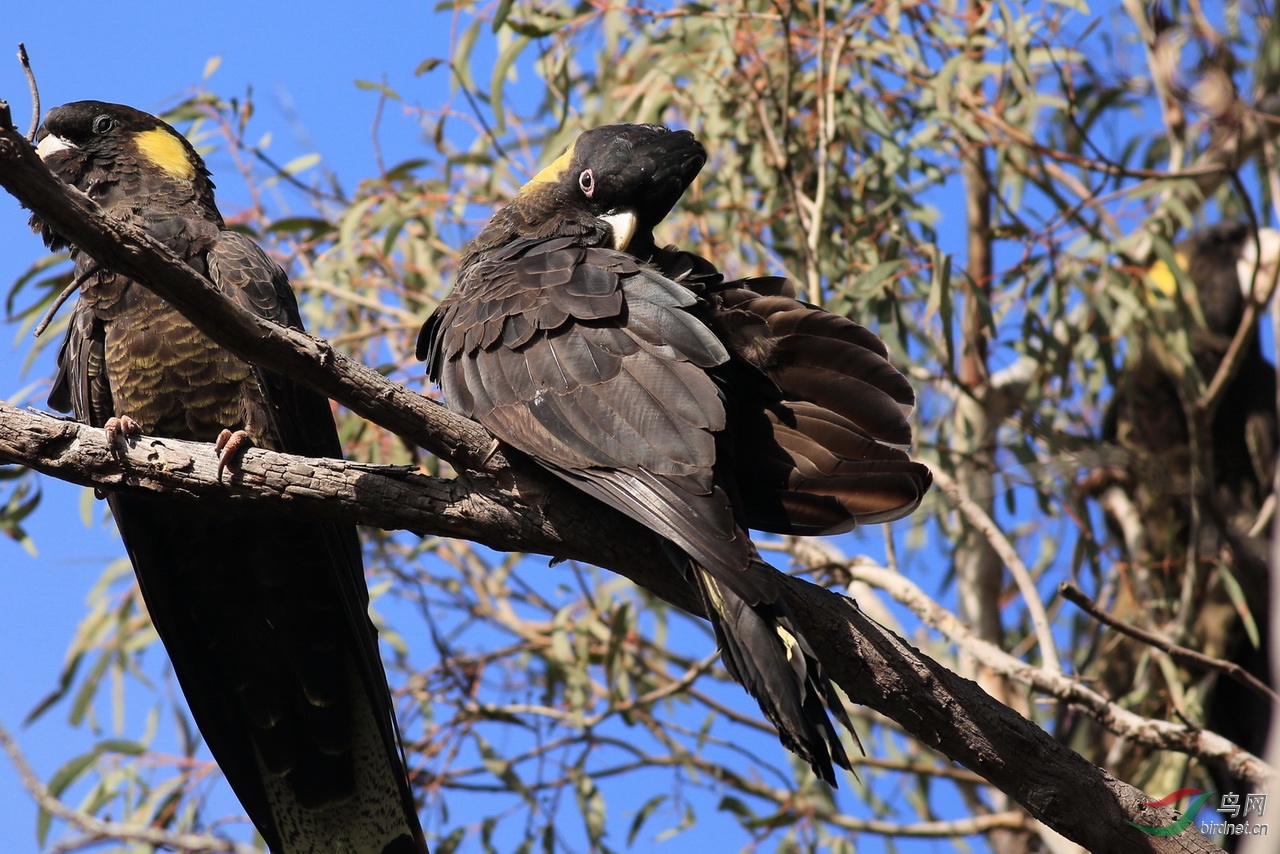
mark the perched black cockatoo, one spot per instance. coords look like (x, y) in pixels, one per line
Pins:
(1148, 417)
(265, 617)
(1195, 485)
(698, 407)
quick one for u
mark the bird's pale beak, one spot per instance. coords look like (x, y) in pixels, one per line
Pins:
(623, 223)
(51, 144)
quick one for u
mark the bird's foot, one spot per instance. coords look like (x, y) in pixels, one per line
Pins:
(120, 430)
(231, 447)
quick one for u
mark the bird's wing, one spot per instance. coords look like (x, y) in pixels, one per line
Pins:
(80, 385)
(817, 421)
(597, 367)
(318, 566)
(299, 421)
(593, 364)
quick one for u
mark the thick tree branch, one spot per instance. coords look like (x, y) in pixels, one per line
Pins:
(1202, 744)
(507, 504)
(872, 665)
(475, 507)
(128, 249)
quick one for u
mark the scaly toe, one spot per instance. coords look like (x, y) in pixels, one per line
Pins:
(231, 447)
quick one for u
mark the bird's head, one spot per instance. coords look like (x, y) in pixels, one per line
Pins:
(113, 152)
(1224, 263)
(628, 176)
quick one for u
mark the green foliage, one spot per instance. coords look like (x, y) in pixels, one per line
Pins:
(20, 492)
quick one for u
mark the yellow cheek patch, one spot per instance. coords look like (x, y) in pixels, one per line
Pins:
(1163, 278)
(552, 173)
(167, 152)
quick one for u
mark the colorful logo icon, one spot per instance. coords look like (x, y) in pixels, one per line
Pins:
(1174, 828)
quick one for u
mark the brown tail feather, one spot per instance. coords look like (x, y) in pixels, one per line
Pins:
(818, 425)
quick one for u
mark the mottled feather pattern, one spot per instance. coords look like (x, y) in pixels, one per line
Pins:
(264, 616)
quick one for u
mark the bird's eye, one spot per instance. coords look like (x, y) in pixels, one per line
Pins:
(587, 182)
(102, 124)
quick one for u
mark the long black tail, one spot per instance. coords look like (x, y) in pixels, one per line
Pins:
(267, 628)
(765, 652)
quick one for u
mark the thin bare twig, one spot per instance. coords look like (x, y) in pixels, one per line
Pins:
(1161, 735)
(35, 90)
(61, 298)
(983, 522)
(96, 830)
(465, 88)
(1077, 597)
